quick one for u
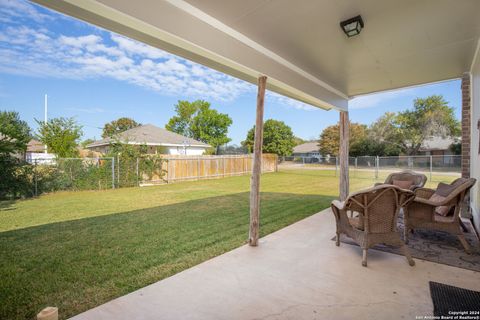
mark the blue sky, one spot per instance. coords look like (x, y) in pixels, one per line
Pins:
(98, 76)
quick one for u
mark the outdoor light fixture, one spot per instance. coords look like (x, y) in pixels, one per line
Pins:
(353, 26)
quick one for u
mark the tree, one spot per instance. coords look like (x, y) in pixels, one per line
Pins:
(329, 142)
(406, 131)
(14, 136)
(456, 148)
(370, 147)
(198, 121)
(61, 136)
(429, 117)
(117, 126)
(14, 133)
(278, 138)
(86, 142)
(297, 141)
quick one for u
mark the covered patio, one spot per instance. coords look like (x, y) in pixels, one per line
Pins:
(294, 273)
(299, 50)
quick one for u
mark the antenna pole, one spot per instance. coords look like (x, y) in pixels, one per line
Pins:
(46, 118)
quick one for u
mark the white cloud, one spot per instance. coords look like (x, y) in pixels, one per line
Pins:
(28, 47)
(379, 99)
(33, 52)
(13, 9)
(288, 102)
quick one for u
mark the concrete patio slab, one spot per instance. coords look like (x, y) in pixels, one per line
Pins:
(295, 273)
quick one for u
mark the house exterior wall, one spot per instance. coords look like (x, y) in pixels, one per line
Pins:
(191, 151)
(474, 142)
(306, 154)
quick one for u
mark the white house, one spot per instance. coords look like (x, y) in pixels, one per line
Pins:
(158, 140)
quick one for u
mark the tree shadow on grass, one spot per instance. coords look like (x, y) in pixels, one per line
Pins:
(7, 205)
(79, 264)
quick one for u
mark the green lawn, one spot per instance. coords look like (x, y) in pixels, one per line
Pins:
(76, 250)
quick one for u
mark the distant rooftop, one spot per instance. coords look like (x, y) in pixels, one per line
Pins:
(150, 135)
(438, 143)
(35, 146)
(307, 147)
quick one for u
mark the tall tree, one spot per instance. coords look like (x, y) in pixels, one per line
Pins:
(61, 135)
(198, 121)
(14, 136)
(278, 138)
(14, 133)
(329, 142)
(429, 117)
(297, 141)
(117, 126)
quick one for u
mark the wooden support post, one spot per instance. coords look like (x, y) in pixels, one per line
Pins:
(257, 166)
(343, 154)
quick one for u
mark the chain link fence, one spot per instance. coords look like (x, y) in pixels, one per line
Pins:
(436, 167)
(42, 175)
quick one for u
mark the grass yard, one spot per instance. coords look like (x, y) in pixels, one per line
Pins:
(76, 250)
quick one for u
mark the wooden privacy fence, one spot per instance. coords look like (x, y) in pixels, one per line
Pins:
(180, 168)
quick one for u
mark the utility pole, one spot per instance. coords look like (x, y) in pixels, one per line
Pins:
(46, 118)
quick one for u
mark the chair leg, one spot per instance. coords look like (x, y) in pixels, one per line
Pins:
(364, 258)
(463, 226)
(406, 231)
(337, 240)
(464, 242)
(407, 254)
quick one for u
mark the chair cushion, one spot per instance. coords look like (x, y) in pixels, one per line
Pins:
(356, 223)
(444, 189)
(442, 192)
(439, 218)
(404, 184)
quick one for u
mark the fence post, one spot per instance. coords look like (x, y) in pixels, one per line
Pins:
(377, 166)
(336, 165)
(138, 177)
(431, 158)
(118, 170)
(356, 166)
(198, 168)
(168, 170)
(113, 172)
(224, 167)
(35, 176)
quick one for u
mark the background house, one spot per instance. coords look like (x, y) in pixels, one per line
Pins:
(158, 140)
(36, 153)
(308, 149)
(440, 150)
(437, 146)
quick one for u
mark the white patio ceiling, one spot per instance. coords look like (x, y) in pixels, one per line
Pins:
(299, 44)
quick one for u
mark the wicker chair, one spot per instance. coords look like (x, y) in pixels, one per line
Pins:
(421, 212)
(418, 179)
(377, 210)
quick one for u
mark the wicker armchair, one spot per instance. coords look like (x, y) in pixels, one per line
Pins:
(422, 212)
(377, 210)
(418, 179)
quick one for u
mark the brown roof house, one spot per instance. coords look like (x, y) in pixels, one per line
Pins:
(308, 149)
(35, 146)
(158, 140)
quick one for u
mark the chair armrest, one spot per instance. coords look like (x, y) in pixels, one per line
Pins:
(378, 184)
(424, 193)
(446, 202)
(340, 205)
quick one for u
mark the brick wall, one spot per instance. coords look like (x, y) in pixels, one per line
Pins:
(466, 114)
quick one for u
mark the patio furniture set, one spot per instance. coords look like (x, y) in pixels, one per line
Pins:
(374, 211)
